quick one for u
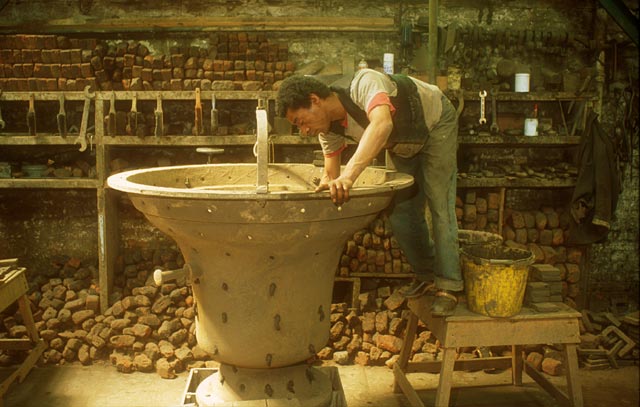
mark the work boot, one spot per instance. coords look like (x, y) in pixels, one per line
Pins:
(444, 303)
(416, 289)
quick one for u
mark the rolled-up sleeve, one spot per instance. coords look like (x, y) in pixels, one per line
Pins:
(331, 144)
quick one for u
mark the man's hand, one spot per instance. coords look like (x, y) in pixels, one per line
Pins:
(339, 189)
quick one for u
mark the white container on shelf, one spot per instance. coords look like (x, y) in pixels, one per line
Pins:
(531, 127)
(387, 63)
(522, 82)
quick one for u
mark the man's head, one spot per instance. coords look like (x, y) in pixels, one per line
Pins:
(301, 99)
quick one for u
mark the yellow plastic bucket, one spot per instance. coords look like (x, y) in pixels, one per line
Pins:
(495, 278)
(468, 237)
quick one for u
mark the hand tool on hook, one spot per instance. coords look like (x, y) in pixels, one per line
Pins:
(495, 129)
(61, 117)
(198, 119)
(82, 136)
(483, 95)
(214, 116)
(132, 122)
(159, 131)
(111, 117)
(31, 115)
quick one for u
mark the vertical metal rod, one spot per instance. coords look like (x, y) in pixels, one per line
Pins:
(433, 40)
(262, 151)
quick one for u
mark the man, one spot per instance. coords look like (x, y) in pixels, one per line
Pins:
(417, 124)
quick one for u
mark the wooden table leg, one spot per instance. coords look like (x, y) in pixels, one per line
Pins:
(446, 377)
(573, 381)
(405, 352)
(27, 317)
(516, 364)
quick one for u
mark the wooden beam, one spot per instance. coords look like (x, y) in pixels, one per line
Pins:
(207, 24)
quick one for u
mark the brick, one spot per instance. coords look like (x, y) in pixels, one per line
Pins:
(553, 367)
(65, 71)
(544, 272)
(147, 74)
(521, 236)
(176, 84)
(469, 212)
(87, 54)
(86, 70)
(76, 71)
(574, 255)
(178, 73)
(128, 60)
(553, 220)
(65, 56)
(535, 359)
(136, 71)
(75, 56)
(109, 63)
(96, 62)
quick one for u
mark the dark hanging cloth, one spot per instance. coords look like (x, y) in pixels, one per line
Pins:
(597, 188)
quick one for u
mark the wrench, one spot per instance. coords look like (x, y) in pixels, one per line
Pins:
(495, 129)
(82, 136)
(483, 95)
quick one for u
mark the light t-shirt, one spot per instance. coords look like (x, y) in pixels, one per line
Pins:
(365, 91)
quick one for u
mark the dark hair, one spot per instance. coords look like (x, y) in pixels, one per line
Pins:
(295, 91)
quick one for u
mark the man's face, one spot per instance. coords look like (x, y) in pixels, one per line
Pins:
(311, 121)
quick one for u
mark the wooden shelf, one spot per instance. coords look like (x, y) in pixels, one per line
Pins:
(233, 140)
(57, 183)
(205, 24)
(23, 139)
(524, 96)
(513, 182)
(524, 141)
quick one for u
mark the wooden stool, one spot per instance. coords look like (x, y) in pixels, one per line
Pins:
(465, 328)
(14, 287)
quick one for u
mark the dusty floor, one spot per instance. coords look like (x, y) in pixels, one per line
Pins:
(103, 386)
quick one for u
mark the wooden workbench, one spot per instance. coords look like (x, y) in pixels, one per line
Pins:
(467, 329)
(14, 287)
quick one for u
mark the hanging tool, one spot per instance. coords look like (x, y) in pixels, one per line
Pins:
(2, 123)
(31, 115)
(82, 136)
(132, 122)
(495, 129)
(214, 116)
(62, 117)
(111, 117)
(198, 119)
(460, 95)
(483, 95)
(564, 120)
(159, 131)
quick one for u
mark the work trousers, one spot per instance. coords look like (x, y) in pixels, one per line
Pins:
(434, 169)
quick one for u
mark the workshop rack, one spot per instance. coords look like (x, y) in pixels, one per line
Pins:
(103, 144)
(106, 199)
